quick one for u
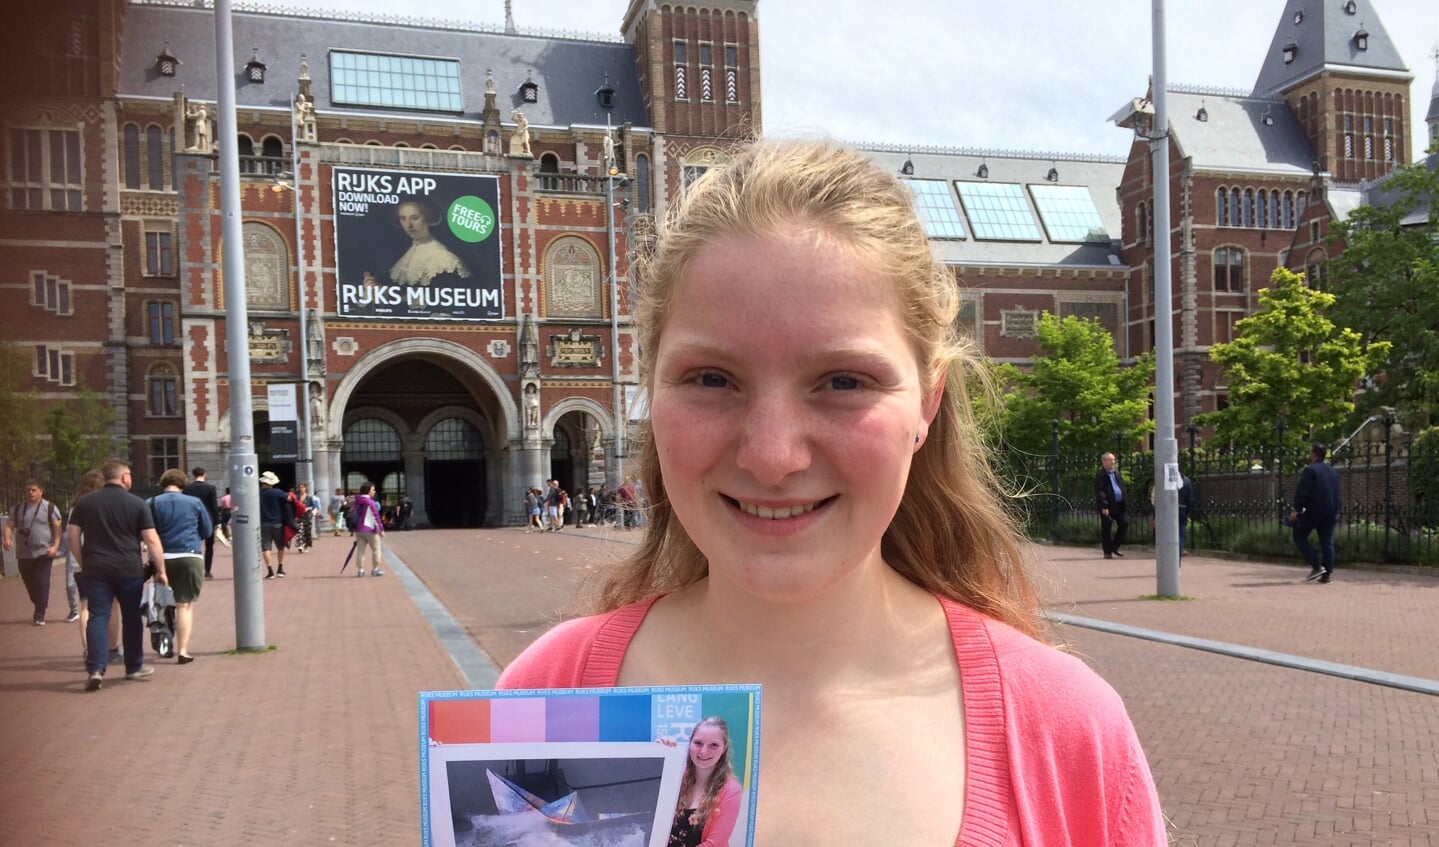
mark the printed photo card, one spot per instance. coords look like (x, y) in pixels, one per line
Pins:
(594, 767)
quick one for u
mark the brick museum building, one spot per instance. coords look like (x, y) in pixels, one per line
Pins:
(438, 223)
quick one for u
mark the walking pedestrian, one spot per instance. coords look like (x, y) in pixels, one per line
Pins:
(534, 502)
(337, 508)
(1316, 509)
(34, 535)
(276, 514)
(107, 529)
(1109, 497)
(92, 480)
(552, 507)
(182, 522)
(205, 493)
(368, 528)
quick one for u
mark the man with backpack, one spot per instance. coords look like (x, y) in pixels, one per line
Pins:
(33, 532)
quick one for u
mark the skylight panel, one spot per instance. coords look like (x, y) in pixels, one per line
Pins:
(934, 204)
(998, 212)
(395, 82)
(1068, 213)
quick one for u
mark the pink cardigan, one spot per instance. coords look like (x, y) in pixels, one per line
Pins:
(1051, 756)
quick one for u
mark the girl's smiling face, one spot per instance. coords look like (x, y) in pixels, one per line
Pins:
(707, 747)
(786, 405)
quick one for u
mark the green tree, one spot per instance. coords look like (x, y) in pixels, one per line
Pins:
(1077, 379)
(1290, 363)
(1387, 288)
(21, 421)
(80, 437)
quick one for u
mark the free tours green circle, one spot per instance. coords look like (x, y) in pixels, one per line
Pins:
(471, 219)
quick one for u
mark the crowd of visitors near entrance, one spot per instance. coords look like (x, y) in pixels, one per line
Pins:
(551, 508)
(134, 564)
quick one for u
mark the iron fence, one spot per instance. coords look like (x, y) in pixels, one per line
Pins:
(1389, 493)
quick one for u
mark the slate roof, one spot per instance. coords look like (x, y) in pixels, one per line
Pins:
(1235, 137)
(1101, 175)
(568, 71)
(1324, 38)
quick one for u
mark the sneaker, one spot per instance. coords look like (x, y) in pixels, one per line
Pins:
(377, 572)
(115, 656)
(38, 622)
(96, 680)
(74, 616)
(1324, 580)
(1314, 573)
(281, 573)
(359, 572)
(270, 574)
(141, 673)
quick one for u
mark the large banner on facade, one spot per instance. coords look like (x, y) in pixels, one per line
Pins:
(417, 246)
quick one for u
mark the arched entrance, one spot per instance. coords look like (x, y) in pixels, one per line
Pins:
(420, 423)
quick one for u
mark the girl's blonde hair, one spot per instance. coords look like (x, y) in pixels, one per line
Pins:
(723, 771)
(951, 534)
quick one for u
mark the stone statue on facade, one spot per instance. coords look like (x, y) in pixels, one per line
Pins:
(532, 406)
(520, 138)
(305, 117)
(197, 115)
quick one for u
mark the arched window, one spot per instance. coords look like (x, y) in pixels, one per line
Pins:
(155, 156)
(1289, 210)
(1249, 207)
(1275, 213)
(132, 156)
(162, 392)
(1221, 207)
(549, 164)
(573, 279)
(454, 440)
(1314, 265)
(1300, 199)
(1229, 269)
(371, 440)
(1262, 215)
(273, 151)
(1236, 214)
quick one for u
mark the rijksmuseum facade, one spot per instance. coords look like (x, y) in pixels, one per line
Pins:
(438, 224)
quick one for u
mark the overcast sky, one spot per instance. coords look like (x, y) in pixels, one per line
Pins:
(1022, 75)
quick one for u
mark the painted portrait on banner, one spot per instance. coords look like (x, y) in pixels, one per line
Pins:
(417, 246)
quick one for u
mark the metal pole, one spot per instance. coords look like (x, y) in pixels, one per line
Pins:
(621, 421)
(1166, 446)
(244, 481)
(1054, 481)
(307, 464)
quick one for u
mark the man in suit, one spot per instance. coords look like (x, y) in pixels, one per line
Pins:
(1316, 509)
(1109, 497)
(206, 494)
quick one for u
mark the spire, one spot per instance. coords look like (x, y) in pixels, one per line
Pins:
(509, 18)
(1432, 118)
(1315, 35)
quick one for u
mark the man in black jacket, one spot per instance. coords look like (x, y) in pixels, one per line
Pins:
(206, 494)
(1316, 509)
(1109, 498)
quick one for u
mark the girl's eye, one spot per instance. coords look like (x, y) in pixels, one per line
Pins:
(713, 380)
(844, 382)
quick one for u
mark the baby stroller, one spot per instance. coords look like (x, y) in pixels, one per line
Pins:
(157, 607)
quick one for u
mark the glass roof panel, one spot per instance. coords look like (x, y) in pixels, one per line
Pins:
(1068, 213)
(998, 211)
(934, 203)
(367, 79)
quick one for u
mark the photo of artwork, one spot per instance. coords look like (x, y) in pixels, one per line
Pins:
(634, 767)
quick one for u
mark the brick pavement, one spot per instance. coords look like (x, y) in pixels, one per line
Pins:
(314, 742)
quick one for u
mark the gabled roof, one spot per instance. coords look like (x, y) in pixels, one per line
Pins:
(1256, 134)
(567, 69)
(1322, 34)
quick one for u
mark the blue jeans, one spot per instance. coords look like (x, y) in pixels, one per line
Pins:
(100, 592)
(1325, 528)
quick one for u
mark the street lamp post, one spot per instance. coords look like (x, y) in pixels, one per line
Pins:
(621, 416)
(244, 483)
